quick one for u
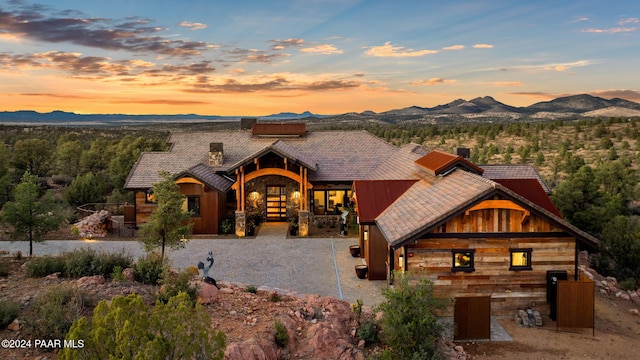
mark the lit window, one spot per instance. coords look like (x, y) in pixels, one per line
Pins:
(463, 261)
(520, 259)
(150, 197)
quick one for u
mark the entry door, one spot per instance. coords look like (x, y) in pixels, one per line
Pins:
(276, 203)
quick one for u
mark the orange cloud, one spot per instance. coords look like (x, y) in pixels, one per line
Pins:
(193, 25)
(325, 49)
(483, 46)
(454, 47)
(388, 50)
(433, 81)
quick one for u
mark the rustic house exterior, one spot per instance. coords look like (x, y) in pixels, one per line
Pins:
(473, 230)
(471, 235)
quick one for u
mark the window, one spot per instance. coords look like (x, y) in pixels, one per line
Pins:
(463, 261)
(193, 205)
(149, 197)
(330, 202)
(520, 259)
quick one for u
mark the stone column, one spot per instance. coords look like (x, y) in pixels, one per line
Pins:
(303, 223)
(241, 222)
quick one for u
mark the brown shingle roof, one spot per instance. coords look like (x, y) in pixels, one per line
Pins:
(336, 155)
(373, 196)
(439, 162)
(206, 175)
(425, 204)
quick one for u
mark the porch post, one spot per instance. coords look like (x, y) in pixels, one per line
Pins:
(241, 222)
(303, 223)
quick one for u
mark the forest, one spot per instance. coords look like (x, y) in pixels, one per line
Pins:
(591, 165)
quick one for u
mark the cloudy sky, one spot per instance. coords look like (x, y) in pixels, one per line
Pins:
(240, 57)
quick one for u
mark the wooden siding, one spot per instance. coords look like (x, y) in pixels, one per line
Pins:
(375, 253)
(509, 290)
(212, 208)
(207, 222)
(496, 220)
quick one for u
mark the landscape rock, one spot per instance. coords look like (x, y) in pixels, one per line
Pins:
(253, 348)
(14, 326)
(91, 281)
(129, 274)
(94, 225)
(635, 312)
(207, 293)
(53, 276)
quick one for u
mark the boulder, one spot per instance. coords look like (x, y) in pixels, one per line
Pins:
(207, 293)
(14, 326)
(52, 276)
(253, 348)
(129, 274)
(91, 281)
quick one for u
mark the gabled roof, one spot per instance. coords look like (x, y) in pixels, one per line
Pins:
(208, 177)
(425, 204)
(331, 156)
(514, 171)
(532, 191)
(439, 162)
(282, 149)
(279, 129)
(373, 196)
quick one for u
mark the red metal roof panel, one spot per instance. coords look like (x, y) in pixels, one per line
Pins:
(374, 196)
(279, 129)
(532, 191)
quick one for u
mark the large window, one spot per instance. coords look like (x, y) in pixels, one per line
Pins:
(192, 205)
(330, 201)
(520, 259)
(463, 260)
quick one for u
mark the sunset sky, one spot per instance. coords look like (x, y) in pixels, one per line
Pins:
(237, 57)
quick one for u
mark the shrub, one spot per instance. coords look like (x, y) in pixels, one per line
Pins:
(117, 275)
(148, 269)
(368, 331)
(175, 330)
(175, 283)
(410, 324)
(227, 226)
(282, 337)
(88, 262)
(53, 312)
(251, 289)
(274, 297)
(9, 310)
(4, 270)
(46, 265)
(628, 284)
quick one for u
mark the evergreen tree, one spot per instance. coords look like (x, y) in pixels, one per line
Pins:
(169, 224)
(29, 215)
(87, 188)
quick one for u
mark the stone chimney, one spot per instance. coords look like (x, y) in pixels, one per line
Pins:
(215, 154)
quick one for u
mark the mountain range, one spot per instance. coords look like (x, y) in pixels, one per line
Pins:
(478, 109)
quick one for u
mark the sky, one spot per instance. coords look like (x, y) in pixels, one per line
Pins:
(254, 58)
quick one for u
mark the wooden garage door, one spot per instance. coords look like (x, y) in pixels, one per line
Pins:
(472, 318)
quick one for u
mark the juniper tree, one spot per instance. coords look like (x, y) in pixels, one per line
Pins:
(169, 224)
(29, 215)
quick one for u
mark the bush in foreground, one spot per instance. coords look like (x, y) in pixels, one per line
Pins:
(175, 330)
(9, 310)
(410, 320)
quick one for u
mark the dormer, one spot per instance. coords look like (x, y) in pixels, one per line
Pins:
(441, 163)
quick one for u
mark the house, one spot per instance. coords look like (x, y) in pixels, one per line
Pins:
(272, 172)
(471, 229)
(468, 233)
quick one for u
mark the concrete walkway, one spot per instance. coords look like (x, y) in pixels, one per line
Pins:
(320, 266)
